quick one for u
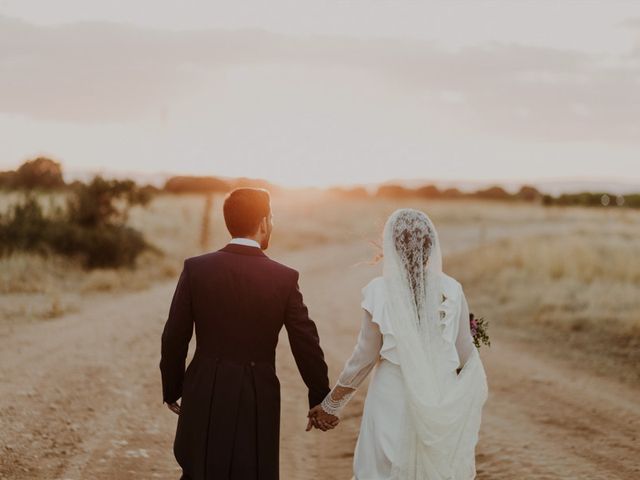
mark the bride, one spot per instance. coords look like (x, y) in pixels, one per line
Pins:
(423, 407)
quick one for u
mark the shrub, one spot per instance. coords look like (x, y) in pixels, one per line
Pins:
(102, 246)
(93, 204)
(24, 228)
(92, 227)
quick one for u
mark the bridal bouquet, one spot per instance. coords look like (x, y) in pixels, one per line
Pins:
(479, 327)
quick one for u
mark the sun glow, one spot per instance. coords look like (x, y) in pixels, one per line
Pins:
(303, 102)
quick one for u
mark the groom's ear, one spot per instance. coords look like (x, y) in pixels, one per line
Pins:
(264, 225)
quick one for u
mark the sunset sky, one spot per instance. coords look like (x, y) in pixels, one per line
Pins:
(325, 92)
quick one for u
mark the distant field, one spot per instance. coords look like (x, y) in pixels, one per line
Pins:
(573, 271)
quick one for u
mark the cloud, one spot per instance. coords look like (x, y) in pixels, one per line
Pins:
(104, 72)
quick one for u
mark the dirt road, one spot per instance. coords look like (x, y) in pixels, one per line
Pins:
(80, 395)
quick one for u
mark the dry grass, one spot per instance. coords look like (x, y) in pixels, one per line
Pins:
(577, 270)
(303, 219)
(576, 293)
(568, 279)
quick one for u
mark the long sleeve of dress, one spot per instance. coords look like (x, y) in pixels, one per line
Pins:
(364, 357)
(464, 340)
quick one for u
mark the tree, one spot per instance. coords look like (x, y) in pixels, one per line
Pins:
(529, 194)
(452, 193)
(185, 184)
(394, 191)
(493, 193)
(428, 191)
(41, 172)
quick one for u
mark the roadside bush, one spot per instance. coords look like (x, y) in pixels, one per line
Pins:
(103, 246)
(93, 226)
(24, 228)
(95, 204)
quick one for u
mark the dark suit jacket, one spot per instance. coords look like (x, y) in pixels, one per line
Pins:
(238, 299)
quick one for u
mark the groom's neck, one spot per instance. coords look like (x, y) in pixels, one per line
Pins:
(256, 238)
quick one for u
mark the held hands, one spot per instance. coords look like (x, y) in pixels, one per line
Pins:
(321, 420)
(318, 418)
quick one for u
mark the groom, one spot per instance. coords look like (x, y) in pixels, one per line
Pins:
(238, 299)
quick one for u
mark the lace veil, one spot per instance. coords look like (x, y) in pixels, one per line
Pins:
(444, 408)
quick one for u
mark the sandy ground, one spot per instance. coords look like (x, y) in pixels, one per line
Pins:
(80, 396)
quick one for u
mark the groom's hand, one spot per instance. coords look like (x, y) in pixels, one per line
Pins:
(174, 407)
(321, 420)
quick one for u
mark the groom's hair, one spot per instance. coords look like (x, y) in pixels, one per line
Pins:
(244, 208)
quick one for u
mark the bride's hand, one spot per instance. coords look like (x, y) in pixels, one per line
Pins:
(321, 420)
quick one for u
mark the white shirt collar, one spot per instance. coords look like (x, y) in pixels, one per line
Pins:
(245, 241)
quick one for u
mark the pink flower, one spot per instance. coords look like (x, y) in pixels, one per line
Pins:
(478, 329)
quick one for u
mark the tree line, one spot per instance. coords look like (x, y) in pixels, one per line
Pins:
(92, 222)
(44, 173)
(526, 193)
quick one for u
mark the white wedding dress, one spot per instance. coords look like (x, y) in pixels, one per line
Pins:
(421, 418)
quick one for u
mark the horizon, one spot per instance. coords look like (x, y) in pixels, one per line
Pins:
(552, 186)
(336, 98)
